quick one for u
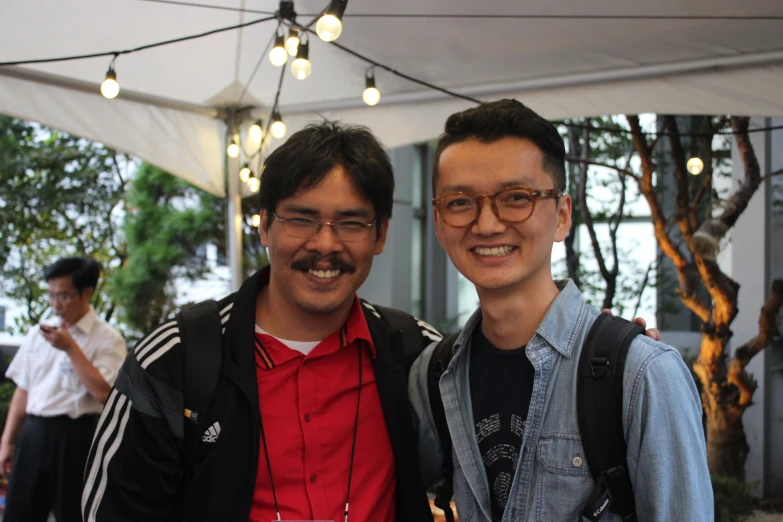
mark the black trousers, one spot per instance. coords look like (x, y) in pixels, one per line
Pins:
(48, 469)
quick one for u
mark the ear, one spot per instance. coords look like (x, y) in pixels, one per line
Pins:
(88, 292)
(263, 228)
(383, 227)
(564, 208)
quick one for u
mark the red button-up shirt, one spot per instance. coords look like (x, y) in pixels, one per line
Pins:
(308, 410)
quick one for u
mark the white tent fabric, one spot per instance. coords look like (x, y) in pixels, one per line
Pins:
(577, 62)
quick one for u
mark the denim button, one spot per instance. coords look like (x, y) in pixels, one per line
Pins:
(577, 461)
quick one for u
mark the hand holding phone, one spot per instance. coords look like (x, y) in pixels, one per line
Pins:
(45, 328)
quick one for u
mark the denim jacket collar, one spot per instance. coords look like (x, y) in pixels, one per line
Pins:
(558, 328)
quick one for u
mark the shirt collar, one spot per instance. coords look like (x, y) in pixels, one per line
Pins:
(87, 322)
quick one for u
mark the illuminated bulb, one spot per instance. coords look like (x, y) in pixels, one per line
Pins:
(695, 166)
(255, 133)
(330, 25)
(371, 94)
(278, 127)
(253, 184)
(110, 88)
(233, 148)
(301, 68)
(256, 219)
(278, 55)
(292, 42)
(244, 173)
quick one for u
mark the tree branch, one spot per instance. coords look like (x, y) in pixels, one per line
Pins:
(586, 217)
(681, 177)
(619, 170)
(736, 372)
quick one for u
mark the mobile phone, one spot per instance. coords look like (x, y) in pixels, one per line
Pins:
(45, 328)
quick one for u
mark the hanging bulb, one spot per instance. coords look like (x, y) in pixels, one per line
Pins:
(233, 148)
(256, 219)
(244, 173)
(695, 165)
(301, 68)
(278, 127)
(110, 88)
(253, 184)
(371, 94)
(255, 133)
(278, 55)
(330, 24)
(292, 42)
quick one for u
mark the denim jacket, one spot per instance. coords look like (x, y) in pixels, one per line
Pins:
(661, 417)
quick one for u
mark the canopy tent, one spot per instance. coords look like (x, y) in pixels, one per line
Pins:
(563, 58)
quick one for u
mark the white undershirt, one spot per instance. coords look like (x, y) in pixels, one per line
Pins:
(304, 347)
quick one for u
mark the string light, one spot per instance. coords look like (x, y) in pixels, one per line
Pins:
(233, 148)
(110, 88)
(371, 94)
(244, 173)
(330, 24)
(253, 184)
(278, 128)
(278, 55)
(256, 220)
(301, 68)
(292, 42)
(255, 133)
(695, 165)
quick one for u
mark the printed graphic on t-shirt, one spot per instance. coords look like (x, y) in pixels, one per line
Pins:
(501, 458)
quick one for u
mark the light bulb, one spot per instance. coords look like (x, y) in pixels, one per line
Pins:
(695, 165)
(301, 68)
(256, 219)
(253, 184)
(329, 28)
(278, 127)
(233, 148)
(244, 173)
(292, 42)
(278, 55)
(110, 88)
(371, 94)
(255, 133)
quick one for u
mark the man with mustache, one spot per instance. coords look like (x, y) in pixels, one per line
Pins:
(310, 418)
(63, 373)
(510, 389)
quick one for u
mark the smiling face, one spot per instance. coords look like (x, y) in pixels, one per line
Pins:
(493, 255)
(320, 274)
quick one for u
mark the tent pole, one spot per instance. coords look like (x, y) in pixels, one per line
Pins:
(233, 214)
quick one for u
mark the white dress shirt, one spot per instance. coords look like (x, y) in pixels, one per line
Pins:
(46, 373)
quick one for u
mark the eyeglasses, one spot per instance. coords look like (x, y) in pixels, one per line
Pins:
(513, 205)
(347, 230)
(62, 298)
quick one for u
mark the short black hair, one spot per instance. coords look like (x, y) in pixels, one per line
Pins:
(308, 156)
(493, 121)
(85, 271)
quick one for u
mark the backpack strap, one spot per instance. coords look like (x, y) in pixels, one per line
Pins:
(439, 361)
(201, 338)
(599, 405)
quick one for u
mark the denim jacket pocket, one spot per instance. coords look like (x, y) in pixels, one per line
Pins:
(463, 496)
(564, 480)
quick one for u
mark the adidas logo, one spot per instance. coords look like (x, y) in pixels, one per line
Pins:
(211, 435)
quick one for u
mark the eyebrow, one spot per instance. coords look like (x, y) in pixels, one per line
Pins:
(524, 181)
(310, 211)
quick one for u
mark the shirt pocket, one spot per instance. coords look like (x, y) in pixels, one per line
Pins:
(564, 479)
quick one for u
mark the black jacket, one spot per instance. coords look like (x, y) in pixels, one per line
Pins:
(136, 467)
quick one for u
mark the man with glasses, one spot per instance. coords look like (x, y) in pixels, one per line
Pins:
(63, 371)
(509, 391)
(310, 419)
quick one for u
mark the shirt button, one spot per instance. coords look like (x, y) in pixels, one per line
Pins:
(307, 417)
(577, 462)
(313, 477)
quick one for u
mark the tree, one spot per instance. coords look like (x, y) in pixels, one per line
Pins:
(61, 195)
(702, 219)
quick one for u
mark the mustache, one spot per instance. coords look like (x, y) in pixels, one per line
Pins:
(312, 261)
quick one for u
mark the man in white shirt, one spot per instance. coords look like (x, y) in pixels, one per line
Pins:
(63, 372)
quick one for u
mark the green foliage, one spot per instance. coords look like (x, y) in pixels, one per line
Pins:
(60, 196)
(733, 498)
(167, 221)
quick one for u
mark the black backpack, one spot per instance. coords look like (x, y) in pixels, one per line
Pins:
(200, 330)
(599, 403)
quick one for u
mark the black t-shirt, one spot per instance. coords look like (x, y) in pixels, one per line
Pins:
(501, 384)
